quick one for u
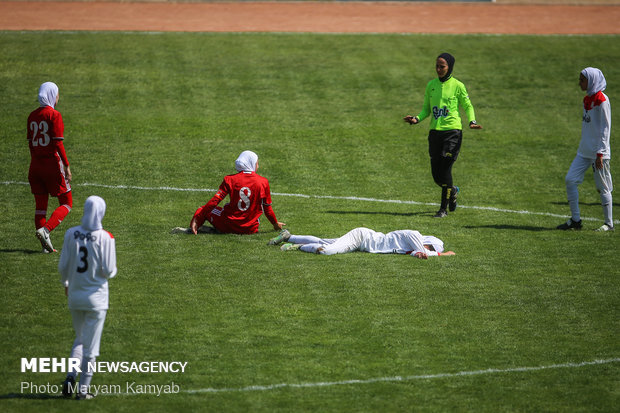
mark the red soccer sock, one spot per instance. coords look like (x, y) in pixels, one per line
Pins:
(39, 221)
(66, 203)
(40, 210)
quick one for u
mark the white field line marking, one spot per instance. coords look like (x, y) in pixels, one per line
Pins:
(402, 378)
(351, 198)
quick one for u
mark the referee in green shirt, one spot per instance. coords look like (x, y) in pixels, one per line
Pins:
(442, 99)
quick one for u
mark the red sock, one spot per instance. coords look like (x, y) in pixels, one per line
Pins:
(40, 210)
(66, 203)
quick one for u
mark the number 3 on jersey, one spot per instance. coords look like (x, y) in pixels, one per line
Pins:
(83, 260)
(244, 202)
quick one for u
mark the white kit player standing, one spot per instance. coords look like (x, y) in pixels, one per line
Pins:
(87, 261)
(594, 150)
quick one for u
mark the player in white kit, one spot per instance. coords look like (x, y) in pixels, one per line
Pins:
(364, 239)
(594, 150)
(87, 261)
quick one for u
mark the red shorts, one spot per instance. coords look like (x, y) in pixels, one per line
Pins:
(47, 176)
(227, 226)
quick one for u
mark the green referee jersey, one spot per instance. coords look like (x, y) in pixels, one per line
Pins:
(441, 102)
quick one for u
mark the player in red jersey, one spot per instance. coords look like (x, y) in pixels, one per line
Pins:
(250, 197)
(49, 172)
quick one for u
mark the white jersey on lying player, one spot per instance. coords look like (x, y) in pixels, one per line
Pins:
(364, 239)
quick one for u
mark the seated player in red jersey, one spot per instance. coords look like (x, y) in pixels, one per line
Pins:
(250, 197)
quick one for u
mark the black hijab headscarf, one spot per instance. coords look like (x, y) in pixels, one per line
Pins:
(450, 60)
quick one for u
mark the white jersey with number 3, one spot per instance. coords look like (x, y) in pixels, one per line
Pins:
(87, 261)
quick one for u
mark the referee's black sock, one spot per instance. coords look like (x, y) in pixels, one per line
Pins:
(446, 191)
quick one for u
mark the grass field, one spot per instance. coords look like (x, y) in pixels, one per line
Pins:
(523, 318)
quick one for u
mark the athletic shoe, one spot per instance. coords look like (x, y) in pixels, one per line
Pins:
(67, 387)
(441, 214)
(283, 236)
(570, 224)
(44, 236)
(605, 227)
(84, 396)
(181, 230)
(290, 247)
(453, 195)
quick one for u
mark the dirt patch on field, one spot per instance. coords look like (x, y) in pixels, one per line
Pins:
(348, 17)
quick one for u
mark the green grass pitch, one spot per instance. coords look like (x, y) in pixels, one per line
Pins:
(267, 331)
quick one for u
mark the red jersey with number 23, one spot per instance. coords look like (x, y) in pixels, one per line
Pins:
(48, 158)
(248, 193)
(45, 128)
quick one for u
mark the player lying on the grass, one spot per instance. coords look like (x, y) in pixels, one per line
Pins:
(594, 150)
(87, 262)
(404, 241)
(250, 197)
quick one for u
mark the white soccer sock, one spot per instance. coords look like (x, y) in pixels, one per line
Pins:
(76, 353)
(304, 239)
(607, 212)
(86, 376)
(572, 193)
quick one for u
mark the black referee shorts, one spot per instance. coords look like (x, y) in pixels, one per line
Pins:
(445, 143)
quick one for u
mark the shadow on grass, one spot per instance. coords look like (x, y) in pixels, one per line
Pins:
(583, 203)
(515, 227)
(31, 396)
(401, 214)
(24, 251)
(202, 230)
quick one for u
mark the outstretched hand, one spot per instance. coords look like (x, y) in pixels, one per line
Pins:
(278, 226)
(475, 126)
(448, 253)
(412, 120)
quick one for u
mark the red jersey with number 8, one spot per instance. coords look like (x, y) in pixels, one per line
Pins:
(249, 192)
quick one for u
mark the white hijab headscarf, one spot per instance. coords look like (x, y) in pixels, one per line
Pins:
(246, 162)
(434, 241)
(596, 80)
(94, 210)
(48, 92)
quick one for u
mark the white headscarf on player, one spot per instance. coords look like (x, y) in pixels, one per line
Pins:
(434, 241)
(94, 210)
(596, 80)
(48, 92)
(246, 162)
